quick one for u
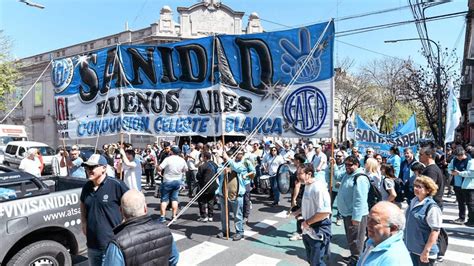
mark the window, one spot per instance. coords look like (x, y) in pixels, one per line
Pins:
(91, 45)
(29, 187)
(58, 54)
(12, 149)
(21, 151)
(109, 41)
(116, 40)
(39, 94)
(10, 191)
(63, 52)
(85, 47)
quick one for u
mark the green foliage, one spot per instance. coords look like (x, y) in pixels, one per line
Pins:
(9, 73)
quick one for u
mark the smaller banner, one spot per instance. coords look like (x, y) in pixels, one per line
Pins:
(453, 115)
(404, 137)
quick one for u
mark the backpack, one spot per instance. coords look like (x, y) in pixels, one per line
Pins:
(442, 240)
(398, 189)
(374, 195)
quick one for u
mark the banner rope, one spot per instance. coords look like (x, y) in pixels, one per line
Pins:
(27, 92)
(285, 91)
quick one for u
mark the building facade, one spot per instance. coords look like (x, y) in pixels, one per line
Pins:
(37, 111)
(466, 128)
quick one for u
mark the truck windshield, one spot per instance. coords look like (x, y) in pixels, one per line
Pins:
(4, 140)
(45, 151)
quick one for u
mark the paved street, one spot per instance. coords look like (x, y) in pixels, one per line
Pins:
(267, 243)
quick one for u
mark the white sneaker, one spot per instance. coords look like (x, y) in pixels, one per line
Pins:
(203, 219)
(210, 219)
(296, 237)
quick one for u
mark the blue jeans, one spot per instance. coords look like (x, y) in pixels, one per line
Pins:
(315, 250)
(170, 191)
(174, 258)
(237, 207)
(95, 256)
(276, 191)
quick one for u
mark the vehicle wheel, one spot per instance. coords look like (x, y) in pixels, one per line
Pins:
(45, 252)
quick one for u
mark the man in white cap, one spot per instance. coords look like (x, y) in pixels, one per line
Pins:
(100, 207)
(31, 164)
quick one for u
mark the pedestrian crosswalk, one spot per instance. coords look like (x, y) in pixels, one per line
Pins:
(461, 238)
(213, 251)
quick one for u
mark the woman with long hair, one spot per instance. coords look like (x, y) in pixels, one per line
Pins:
(387, 186)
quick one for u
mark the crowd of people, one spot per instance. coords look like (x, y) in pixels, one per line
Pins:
(367, 191)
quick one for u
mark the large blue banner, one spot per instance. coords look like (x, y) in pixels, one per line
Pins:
(209, 86)
(404, 137)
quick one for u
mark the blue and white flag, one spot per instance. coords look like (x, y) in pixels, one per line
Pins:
(216, 85)
(453, 115)
(404, 137)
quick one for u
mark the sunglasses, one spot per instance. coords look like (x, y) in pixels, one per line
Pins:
(91, 168)
(338, 156)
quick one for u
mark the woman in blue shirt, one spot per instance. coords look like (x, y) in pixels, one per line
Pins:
(394, 159)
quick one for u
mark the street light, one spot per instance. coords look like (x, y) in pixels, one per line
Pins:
(438, 81)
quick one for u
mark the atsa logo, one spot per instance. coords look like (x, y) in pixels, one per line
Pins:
(61, 74)
(305, 110)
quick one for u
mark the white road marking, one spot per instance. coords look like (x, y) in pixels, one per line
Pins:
(177, 237)
(260, 260)
(249, 233)
(281, 214)
(200, 253)
(459, 228)
(460, 257)
(461, 242)
(265, 223)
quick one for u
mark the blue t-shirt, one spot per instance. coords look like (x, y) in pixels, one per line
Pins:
(77, 170)
(102, 210)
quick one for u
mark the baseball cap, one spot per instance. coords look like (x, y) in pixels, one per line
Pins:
(279, 142)
(175, 150)
(94, 160)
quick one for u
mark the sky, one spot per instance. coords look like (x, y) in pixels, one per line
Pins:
(67, 22)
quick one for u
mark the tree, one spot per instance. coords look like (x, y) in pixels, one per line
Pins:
(9, 73)
(353, 92)
(422, 87)
(388, 79)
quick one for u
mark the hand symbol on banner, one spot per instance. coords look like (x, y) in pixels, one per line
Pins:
(295, 56)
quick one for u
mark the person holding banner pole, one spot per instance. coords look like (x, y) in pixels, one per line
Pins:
(337, 169)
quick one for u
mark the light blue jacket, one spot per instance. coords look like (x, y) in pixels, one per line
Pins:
(395, 161)
(390, 252)
(352, 200)
(237, 168)
(339, 171)
(468, 175)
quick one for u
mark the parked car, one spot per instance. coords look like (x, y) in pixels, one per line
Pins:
(15, 152)
(39, 219)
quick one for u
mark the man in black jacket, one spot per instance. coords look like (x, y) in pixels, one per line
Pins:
(205, 173)
(140, 239)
